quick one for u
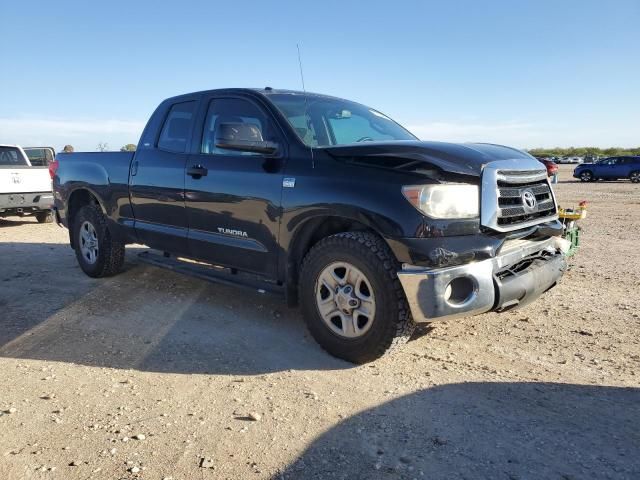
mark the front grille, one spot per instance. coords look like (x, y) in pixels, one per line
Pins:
(516, 194)
(512, 209)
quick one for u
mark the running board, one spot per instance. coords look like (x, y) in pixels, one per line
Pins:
(211, 273)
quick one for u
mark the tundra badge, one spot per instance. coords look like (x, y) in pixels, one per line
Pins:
(237, 233)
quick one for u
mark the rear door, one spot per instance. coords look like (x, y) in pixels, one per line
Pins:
(233, 204)
(157, 181)
(626, 166)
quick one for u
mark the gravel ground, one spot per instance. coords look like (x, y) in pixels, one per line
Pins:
(153, 375)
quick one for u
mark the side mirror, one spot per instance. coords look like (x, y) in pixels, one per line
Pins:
(243, 137)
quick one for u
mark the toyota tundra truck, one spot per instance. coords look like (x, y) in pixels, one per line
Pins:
(345, 212)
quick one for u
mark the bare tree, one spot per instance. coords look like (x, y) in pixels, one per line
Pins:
(102, 146)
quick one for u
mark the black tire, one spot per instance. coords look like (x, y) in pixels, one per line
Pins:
(586, 176)
(44, 217)
(635, 176)
(110, 257)
(392, 323)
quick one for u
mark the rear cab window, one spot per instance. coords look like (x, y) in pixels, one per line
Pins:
(176, 131)
(12, 157)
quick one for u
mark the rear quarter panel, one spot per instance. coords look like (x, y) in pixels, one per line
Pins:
(104, 174)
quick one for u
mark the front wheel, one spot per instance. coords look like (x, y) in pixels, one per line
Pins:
(352, 300)
(98, 253)
(586, 176)
(635, 177)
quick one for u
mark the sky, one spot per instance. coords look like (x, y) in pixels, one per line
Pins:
(529, 74)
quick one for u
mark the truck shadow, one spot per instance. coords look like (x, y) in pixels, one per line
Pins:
(484, 430)
(145, 318)
(4, 223)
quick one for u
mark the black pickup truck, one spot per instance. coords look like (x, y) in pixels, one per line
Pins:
(353, 218)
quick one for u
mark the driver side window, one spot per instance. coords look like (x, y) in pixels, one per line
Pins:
(234, 119)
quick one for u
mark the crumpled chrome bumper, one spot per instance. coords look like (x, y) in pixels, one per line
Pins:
(515, 277)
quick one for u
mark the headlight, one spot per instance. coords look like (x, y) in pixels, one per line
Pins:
(444, 200)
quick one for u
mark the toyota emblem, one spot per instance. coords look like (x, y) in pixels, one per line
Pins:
(529, 201)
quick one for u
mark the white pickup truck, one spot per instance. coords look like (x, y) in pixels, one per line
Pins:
(24, 189)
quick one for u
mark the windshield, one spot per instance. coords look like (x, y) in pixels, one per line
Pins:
(11, 157)
(332, 121)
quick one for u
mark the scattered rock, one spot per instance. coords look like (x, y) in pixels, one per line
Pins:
(256, 417)
(439, 441)
(206, 463)
(583, 332)
(139, 436)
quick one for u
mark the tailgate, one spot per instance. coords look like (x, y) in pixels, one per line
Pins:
(24, 180)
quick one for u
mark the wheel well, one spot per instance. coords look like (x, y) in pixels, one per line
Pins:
(310, 234)
(77, 200)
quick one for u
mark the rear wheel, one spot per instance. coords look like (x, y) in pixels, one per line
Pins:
(352, 300)
(98, 254)
(44, 217)
(635, 176)
(586, 176)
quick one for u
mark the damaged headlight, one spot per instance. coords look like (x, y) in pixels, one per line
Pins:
(444, 200)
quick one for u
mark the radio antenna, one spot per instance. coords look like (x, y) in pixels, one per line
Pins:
(304, 90)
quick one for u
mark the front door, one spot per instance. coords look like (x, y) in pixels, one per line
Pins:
(609, 168)
(157, 183)
(233, 197)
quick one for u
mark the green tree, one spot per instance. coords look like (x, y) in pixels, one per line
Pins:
(129, 147)
(583, 151)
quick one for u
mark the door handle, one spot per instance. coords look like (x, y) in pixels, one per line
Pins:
(197, 171)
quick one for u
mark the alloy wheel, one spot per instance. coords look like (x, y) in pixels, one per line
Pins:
(345, 300)
(89, 242)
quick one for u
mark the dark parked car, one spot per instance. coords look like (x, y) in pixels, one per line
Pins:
(40, 156)
(611, 168)
(332, 203)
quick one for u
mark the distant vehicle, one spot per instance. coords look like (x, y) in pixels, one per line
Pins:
(24, 189)
(552, 167)
(40, 156)
(574, 160)
(611, 168)
(339, 208)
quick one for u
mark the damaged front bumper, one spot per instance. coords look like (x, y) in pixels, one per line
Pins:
(521, 272)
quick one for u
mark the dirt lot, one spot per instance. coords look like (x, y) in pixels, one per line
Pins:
(153, 375)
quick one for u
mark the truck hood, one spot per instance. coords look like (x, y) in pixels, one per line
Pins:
(463, 159)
